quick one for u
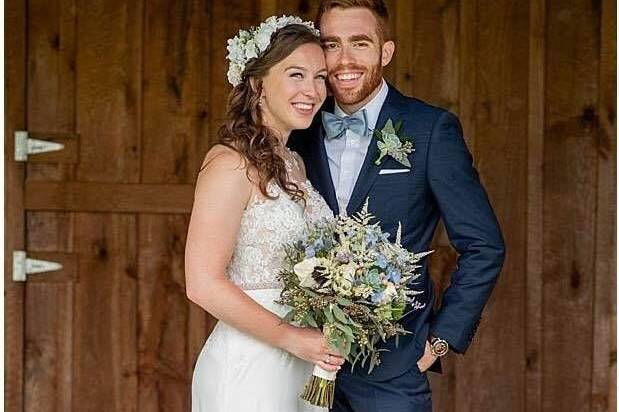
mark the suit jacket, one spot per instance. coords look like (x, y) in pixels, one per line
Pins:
(442, 183)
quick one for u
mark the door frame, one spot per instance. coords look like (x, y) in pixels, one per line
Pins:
(16, 48)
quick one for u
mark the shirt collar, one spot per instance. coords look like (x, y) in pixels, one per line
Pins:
(372, 107)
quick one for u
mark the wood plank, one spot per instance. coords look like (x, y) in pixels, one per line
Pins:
(48, 351)
(105, 371)
(49, 333)
(175, 107)
(176, 118)
(390, 72)
(535, 195)
(164, 321)
(491, 375)
(306, 9)
(404, 23)
(51, 87)
(268, 8)
(14, 221)
(603, 371)
(109, 197)
(109, 120)
(223, 27)
(51, 109)
(570, 169)
(433, 50)
(467, 69)
(108, 90)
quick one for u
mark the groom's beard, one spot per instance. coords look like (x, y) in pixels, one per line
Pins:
(372, 79)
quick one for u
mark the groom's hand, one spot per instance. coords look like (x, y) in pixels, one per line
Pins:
(427, 359)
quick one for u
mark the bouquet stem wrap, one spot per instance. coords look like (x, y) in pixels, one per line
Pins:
(320, 388)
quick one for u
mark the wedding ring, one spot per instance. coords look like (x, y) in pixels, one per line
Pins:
(328, 358)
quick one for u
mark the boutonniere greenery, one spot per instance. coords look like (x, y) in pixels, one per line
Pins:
(391, 143)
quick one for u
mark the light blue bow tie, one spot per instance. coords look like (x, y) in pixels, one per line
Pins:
(336, 126)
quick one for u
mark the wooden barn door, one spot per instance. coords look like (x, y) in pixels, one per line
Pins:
(120, 84)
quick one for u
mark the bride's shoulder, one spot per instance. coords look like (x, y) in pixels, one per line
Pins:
(224, 166)
(220, 156)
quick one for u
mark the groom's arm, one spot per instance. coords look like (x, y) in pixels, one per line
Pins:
(473, 231)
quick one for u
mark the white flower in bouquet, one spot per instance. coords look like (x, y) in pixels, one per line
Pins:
(305, 270)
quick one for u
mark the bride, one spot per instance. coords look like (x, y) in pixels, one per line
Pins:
(251, 197)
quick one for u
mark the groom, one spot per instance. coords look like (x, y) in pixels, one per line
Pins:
(417, 188)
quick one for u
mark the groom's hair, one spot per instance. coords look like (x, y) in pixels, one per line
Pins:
(377, 7)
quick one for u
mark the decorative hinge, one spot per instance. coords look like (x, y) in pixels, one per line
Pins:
(23, 266)
(25, 145)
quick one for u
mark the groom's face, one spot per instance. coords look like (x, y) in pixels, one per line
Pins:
(355, 54)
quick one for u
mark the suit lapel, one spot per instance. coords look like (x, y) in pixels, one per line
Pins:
(323, 172)
(369, 170)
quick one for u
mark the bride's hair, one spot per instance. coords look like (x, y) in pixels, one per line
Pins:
(243, 130)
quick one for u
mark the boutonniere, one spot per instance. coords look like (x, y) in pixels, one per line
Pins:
(391, 143)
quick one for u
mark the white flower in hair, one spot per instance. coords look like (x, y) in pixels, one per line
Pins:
(249, 44)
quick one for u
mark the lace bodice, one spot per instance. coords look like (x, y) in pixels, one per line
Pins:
(266, 225)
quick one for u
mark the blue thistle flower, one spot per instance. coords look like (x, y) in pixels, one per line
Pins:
(381, 262)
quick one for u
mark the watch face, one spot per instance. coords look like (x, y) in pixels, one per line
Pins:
(440, 347)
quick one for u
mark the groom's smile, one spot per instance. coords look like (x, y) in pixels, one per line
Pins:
(348, 80)
(355, 53)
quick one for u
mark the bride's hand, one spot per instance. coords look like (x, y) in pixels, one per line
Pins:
(310, 344)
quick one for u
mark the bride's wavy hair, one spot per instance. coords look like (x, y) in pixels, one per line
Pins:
(243, 130)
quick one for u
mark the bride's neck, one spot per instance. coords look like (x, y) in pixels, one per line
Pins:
(282, 135)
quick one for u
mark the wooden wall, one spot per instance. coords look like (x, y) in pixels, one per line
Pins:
(143, 85)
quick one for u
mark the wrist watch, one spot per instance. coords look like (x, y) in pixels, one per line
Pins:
(439, 347)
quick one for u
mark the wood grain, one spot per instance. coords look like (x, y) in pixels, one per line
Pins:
(570, 201)
(109, 197)
(109, 120)
(108, 90)
(404, 23)
(174, 139)
(164, 315)
(49, 296)
(491, 375)
(535, 217)
(604, 362)
(105, 318)
(434, 51)
(15, 15)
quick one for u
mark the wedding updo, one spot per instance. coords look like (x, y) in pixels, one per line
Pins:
(243, 130)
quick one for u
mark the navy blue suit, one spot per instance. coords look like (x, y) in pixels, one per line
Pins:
(443, 184)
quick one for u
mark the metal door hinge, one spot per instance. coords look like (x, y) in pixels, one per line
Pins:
(25, 145)
(23, 266)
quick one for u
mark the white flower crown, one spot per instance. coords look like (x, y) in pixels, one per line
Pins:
(248, 44)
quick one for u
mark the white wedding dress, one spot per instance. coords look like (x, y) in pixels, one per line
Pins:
(234, 371)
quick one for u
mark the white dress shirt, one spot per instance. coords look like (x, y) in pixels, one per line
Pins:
(347, 153)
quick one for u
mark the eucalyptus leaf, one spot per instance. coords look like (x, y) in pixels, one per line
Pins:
(343, 301)
(340, 315)
(346, 329)
(328, 314)
(309, 319)
(289, 316)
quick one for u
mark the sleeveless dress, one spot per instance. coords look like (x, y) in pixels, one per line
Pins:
(234, 371)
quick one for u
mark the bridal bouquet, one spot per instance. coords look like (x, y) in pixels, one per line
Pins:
(348, 279)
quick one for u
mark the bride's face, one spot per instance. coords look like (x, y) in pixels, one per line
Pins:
(294, 89)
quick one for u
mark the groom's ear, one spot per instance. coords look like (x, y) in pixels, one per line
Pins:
(387, 52)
